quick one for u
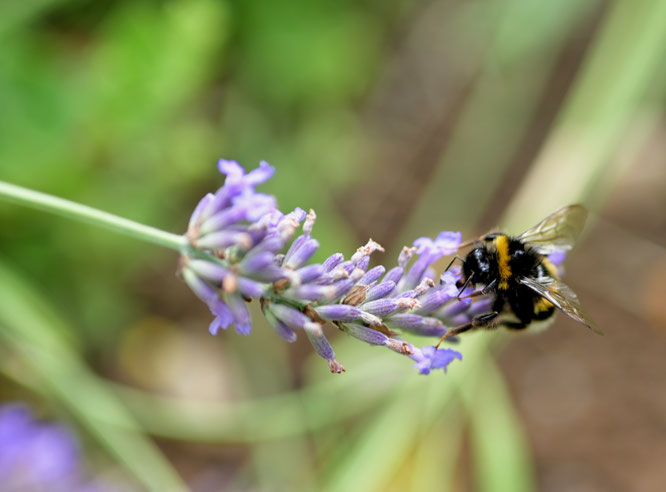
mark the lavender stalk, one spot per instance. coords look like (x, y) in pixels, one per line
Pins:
(83, 213)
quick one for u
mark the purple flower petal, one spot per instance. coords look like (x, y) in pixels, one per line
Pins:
(434, 299)
(288, 224)
(214, 272)
(270, 244)
(430, 251)
(319, 341)
(339, 312)
(379, 291)
(444, 244)
(333, 261)
(251, 288)
(341, 288)
(372, 275)
(302, 254)
(385, 307)
(448, 280)
(222, 219)
(295, 246)
(215, 326)
(280, 328)
(558, 257)
(393, 275)
(338, 273)
(240, 314)
(481, 306)
(298, 214)
(257, 176)
(347, 266)
(270, 220)
(201, 288)
(270, 274)
(311, 292)
(255, 205)
(415, 273)
(453, 308)
(408, 294)
(199, 210)
(222, 313)
(420, 325)
(224, 239)
(292, 317)
(231, 169)
(366, 334)
(243, 327)
(429, 358)
(363, 263)
(309, 273)
(256, 262)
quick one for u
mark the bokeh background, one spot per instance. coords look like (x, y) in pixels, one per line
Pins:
(393, 120)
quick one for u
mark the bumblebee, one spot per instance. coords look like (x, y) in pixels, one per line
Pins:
(521, 279)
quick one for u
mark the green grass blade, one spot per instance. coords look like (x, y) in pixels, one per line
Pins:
(391, 434)
(33, 331)
(501, 456)
(627, 55)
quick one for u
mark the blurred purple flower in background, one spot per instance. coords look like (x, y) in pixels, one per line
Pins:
(37, 456)
(242, 249)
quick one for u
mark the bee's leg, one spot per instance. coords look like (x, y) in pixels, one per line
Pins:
(464, 286)
(485, 320)
(514, 325)
(486, 290)
(455, 331)
(480, 321)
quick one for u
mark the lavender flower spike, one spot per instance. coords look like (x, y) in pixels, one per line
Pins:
(242, 247)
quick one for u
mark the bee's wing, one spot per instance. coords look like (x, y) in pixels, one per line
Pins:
(562, 297)
(557, 232)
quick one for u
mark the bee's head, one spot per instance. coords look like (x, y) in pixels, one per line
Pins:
(478, 266)
(488, 238)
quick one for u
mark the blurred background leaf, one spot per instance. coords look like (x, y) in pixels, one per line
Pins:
(34, 331)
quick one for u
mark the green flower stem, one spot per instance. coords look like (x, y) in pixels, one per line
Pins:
(83, 213)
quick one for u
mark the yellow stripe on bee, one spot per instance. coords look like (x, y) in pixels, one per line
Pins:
(502, 246)
(542, 305)
(552, 270)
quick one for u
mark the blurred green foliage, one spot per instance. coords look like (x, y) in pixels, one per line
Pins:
(125, 105)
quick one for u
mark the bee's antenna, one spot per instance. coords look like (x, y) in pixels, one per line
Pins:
(456, 257)
(467, 243)
(479, 239)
